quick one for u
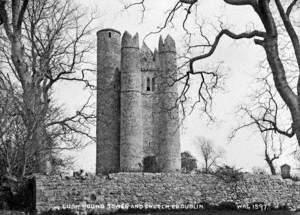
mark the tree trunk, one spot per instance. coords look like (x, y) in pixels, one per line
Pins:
(270, 45)
(281, 84)
(271, 165)
(206, 166)
(34, 117)
(34, 106)
(296, 127)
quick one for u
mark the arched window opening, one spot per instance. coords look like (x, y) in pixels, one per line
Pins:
(109, 34)
(148, 84)
(153, 84)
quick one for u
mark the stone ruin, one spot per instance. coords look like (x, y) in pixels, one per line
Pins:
(137, 119)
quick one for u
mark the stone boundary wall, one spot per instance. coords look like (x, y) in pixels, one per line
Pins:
(162, 189)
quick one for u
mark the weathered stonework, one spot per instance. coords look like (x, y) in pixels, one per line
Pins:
(169, 147)
(131, 142)
(108, 101)
(148, 68)
(134, 123)
(163, 189)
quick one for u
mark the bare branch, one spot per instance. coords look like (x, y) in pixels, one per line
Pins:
(290, 7)
(21, 14)
(141, 3)
(191, 2)
(169, 19)
(241, 2)
(290, 30)
(230, 34)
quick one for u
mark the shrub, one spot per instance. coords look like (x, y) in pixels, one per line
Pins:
(295, 178)
(16, 195)
(229, 174)
(188, 162)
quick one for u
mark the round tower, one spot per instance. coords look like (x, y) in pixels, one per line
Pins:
(131, 140)
(108, 101)
(169, 140)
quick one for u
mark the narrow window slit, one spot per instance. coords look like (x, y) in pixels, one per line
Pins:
(148, 84)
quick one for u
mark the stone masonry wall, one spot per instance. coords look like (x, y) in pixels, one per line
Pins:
(169, 144)
(162, 189)
(135, 124)
(108, 101)
(131, 133)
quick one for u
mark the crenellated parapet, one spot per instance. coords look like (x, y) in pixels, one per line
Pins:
(167, 45)
(129, 41)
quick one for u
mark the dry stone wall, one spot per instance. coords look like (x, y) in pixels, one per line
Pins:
(161, 189)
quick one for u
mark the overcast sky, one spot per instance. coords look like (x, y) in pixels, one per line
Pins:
(241, 59)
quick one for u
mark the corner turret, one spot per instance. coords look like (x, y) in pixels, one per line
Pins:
(131, 138)
(169, 45)
(169, 137)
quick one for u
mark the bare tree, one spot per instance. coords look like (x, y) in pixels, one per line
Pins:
(259, 171)
(267, 115)
(46, 42)
(16, 154)
(209, 153)
(267, 38)
(273, 141)
(265, 112)
(11, 132)
(272, 153)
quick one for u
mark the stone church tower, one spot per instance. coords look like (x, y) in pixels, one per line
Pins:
(137, 120)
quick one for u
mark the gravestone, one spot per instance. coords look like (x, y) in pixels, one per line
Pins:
(285, 171)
